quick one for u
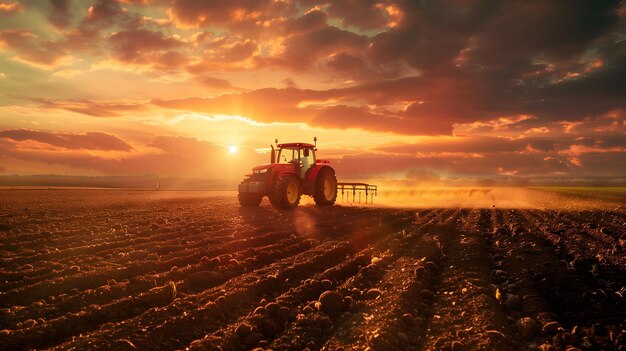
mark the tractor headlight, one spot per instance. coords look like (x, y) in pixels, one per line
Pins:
(261, 171)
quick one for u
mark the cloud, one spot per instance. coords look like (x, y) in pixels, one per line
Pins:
(60, 14)
(304, 49)
(348, 107)
(214, 83)
(95, 108)
(145, 47)
(31, 49)
(129, 45)
(225, 54)
(239, 16)
(359, 68)
(558, 29)
(311, 20)
(87, 141)
(10, 8)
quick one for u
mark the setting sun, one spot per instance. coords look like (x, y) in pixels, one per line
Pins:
(232, 149)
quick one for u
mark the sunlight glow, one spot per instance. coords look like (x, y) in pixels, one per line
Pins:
(232, 149)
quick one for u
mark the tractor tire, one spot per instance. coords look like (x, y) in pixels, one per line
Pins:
(286, 192)
(249, 199)
(325, 188)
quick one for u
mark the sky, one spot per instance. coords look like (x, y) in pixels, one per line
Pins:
(420, 89)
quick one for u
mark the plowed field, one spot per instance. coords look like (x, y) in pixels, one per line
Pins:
(124, 270)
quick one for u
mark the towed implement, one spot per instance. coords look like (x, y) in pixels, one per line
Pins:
(294, 171)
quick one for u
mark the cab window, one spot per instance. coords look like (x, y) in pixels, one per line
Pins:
(308, 159)
(287, 155)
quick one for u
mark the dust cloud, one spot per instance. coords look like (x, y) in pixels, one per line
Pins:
(490, 197)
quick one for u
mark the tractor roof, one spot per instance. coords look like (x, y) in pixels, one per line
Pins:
(296, 145)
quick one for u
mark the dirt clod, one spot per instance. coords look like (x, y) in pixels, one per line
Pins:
(428, 295)
(528, 327)
(402, 337)
(551, 328)
(268, 328)
(513, 302)
(331, 303)
(420, 272)
(372, 294)
(123, 345)
(408, 319)
(456, 346)
(326, 284)
(203, 279)
(243, 330)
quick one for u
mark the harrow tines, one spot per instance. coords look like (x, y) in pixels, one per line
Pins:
(361, 188)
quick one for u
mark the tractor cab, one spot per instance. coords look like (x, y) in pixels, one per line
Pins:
(300, 155)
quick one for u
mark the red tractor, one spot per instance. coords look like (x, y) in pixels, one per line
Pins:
(294, 171)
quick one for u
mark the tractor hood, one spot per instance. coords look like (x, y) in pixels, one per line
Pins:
(262, 167)
(269, 166)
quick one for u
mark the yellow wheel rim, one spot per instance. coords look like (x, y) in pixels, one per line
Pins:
(292, 192)
(328, 189)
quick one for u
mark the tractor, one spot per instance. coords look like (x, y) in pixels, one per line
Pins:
(293, 171)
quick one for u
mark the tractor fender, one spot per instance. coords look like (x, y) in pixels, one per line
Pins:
(277, 173)
(315, 170)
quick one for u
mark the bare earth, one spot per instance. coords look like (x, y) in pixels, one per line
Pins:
(126, 270)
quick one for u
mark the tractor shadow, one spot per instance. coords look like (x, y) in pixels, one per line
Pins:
(310, 220)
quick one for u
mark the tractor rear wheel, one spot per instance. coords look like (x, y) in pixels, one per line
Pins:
(249, 199)
(325, 188)
(286, 192)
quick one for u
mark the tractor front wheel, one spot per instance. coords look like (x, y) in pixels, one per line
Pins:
(325, 188)
(286, 192)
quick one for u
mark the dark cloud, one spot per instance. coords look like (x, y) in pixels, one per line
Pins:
(312, 19)
(304, 49)
(89, 140)
(557, 29)
(359, 68)
(147, 48)
(104, 11)
(603, 163)
(133, 45)
(60, 15)
(366, 14)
